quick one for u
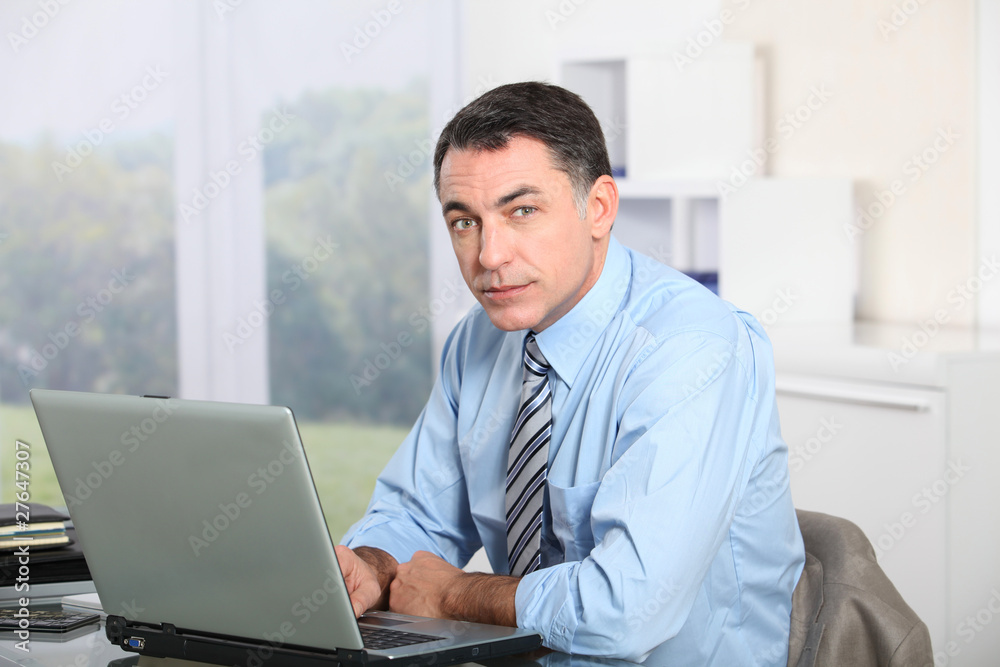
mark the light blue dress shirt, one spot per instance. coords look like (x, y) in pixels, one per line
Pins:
(670, 535)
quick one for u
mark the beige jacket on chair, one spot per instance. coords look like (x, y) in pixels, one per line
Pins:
(845, 611)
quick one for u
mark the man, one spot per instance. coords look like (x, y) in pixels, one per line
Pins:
(602, 424)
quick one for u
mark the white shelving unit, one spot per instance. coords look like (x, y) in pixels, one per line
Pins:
(676, 134)
(673, 221)
(673, 133)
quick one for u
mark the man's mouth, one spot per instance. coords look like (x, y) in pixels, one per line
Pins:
(504, 292)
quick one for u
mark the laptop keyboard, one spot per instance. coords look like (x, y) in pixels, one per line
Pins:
(384, 638)
(45, 620)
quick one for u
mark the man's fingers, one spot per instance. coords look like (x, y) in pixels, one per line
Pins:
(361, 581)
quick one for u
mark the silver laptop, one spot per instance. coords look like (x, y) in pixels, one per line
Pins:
(206, 540)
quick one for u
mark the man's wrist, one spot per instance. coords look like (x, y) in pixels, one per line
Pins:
(384, 566)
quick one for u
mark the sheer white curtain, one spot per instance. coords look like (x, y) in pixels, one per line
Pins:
(239, 64)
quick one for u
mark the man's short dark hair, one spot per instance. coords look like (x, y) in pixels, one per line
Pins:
(555, 116)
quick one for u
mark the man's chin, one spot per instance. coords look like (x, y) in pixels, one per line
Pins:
(507, 325)
(509, 319)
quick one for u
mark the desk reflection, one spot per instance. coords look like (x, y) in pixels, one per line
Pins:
(551, 659)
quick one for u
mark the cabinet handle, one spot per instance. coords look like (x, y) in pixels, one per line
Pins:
(852, 396)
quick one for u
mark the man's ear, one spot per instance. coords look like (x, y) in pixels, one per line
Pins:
(602, 208)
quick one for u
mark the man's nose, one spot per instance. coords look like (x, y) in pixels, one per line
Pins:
(496, 246)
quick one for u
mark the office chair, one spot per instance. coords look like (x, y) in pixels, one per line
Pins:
(845, 611)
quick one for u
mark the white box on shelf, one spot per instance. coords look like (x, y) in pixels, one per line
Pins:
(668, 120)
(783, 254)
(699, 120)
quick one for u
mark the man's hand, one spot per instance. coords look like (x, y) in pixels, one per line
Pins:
(421, 585)
(429, 586)
(367, 573)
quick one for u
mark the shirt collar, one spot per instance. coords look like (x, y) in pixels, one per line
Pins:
(568, 341)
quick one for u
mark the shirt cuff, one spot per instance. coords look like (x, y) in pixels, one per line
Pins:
(544, 604)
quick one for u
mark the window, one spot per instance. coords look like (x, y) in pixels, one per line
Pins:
(219, 200)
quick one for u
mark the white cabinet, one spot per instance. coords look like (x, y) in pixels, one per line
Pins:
(864, 452)
(911, 453)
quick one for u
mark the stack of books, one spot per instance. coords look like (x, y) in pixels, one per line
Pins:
(46, 528)
(55, 563)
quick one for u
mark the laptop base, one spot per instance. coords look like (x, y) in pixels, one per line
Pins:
(167, 641)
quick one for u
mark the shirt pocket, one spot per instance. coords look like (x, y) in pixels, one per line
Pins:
(571, 518)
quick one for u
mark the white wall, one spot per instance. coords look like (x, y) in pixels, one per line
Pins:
(893, 88)
(988, 166)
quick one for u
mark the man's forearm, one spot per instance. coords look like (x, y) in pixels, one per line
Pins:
(483, 598)
(384, 566)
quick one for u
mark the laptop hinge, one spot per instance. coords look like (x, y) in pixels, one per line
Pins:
(347, 656)
(114, 627)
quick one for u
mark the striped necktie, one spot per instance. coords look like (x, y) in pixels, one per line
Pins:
(527, 461)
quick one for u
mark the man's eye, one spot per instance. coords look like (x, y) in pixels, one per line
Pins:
(462, 224)
(522, 211)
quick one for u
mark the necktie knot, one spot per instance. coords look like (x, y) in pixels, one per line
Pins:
(534, 361)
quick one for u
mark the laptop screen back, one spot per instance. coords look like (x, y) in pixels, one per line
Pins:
(199, 514)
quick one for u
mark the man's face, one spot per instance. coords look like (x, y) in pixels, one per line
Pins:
(521, 246)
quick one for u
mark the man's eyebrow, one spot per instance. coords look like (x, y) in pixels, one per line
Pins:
(517, 194)
(453, 205)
